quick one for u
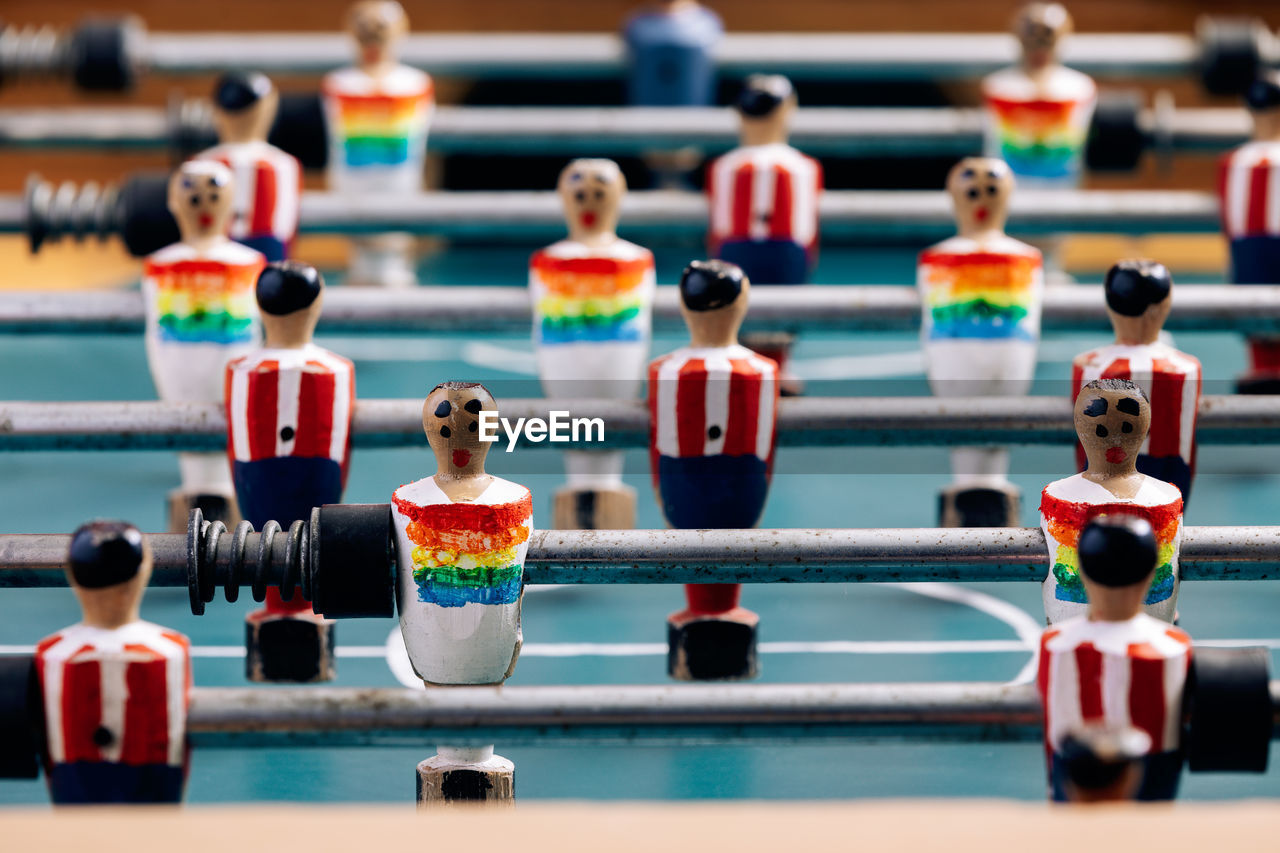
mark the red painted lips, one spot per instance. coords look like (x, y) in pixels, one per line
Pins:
(1115, 455)
(461, 458)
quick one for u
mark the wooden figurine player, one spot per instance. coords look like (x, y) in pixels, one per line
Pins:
(378, 113)
(1250, 200)
(289, 410)
(461, 537)
(1038, 113)
(1113, 664)
(592, 314)
(671, 54)
(267, 181)
(1139, 295)
(1112, 417)
(115, 689)
(980, 292)
(200, 314)
(713, 410)
(763, 200)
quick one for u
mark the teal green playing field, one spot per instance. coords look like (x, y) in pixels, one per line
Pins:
(616, 635)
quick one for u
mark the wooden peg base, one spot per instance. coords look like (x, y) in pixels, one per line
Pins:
(979, 507)
(290, 648)
(214, 506)
(594, 509)
(446, 779)
(719, 647)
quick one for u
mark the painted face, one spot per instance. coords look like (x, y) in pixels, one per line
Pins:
(376, 26)
(980, 188)
(591, 191)
(1040, 27)
(1112, 424)
(200, 199)
(451, 420)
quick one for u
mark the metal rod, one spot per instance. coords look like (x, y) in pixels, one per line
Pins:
(521, 216)
(828, 308)
(855, 555)
(844, 213)
(804, 422)
(836, 56)
(821, 131)
(332, 716)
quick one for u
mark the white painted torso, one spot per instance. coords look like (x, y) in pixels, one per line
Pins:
(612, 367)
(1077, 489)
(469, 644)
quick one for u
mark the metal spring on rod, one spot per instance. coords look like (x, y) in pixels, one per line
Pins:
(267, 564)
(68, 209)
(32, 51)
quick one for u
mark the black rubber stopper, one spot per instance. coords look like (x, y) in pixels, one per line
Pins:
(1228, 703)
(1116, 140)
(353, 560)
(301, 130)
(21, 718)
(99, 55)
(143, 214)
(1230, 53)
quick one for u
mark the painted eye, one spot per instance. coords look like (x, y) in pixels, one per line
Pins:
(1126, 427)
(445, 431)
(443, 410)
(973, 193)
(992, 190)
(967, 173)
(580, 196)
(1101, 431)
(472, 406)
(213, 196)
(599, 195)
(471, 427)
(1129, 406)
(195, 201)
(993, 176)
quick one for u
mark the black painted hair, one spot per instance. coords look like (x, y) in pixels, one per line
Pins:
(762, 94)
(288, 286)
(708, 285)
(1116, 385)
(105, 553)
(236, 91)
(1094, 760)
(1133, 286)
(1264, 92)
(1117, 550)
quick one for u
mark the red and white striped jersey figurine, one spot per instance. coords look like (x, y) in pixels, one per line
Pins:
(291, 402)
(1115, 665)
(267, 190)
(115, 689)
(289, 411)
(764, 195)
(693, 390)
(1249, 189)
(267, 182)
(1122, 674)
(713, 411)
(1139, 296)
